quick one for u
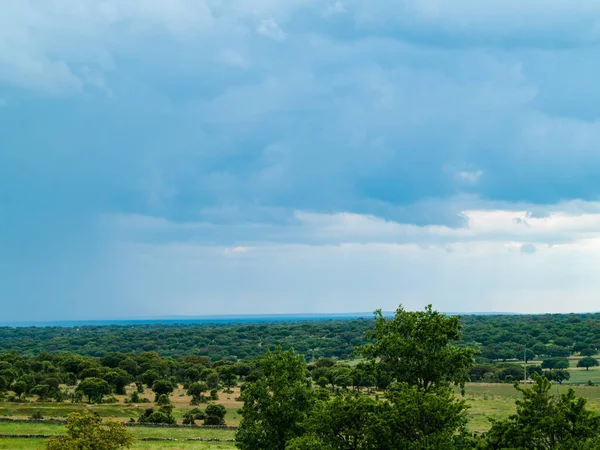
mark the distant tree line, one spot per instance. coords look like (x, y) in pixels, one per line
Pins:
(499, 338)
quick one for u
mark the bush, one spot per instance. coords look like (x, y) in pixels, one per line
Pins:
(37, 415)
(110, 399)
(213, 420)
(163, 415)
(214, 395)
(191, 416)
(163, 400)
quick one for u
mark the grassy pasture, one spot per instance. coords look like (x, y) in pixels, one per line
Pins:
(498, 400)
(38, 444)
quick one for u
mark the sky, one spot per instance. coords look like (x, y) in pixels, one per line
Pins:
(197, 157)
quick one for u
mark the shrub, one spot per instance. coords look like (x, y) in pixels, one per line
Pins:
(36, 415)
(163, 400)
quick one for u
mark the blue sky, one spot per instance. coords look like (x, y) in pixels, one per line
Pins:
(204, 157)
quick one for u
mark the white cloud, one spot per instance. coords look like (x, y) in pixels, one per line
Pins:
(514, 228)
(270, 29)
(234, 58)
(336, 8)
(470, 176)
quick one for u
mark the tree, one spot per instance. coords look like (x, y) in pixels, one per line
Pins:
(212, 380)
(545, 422)
(94, 388)
(555, 363)
(558, 375)
(215, 414)
(190, 417)
(149, 377)
(119, 379)
(410, 418)
(197, 390)
(86, 431)
(588, 362)
(588, 351)
(162, 387)
(19, 387)
(416, 348)
(276, 402)
(163, 415)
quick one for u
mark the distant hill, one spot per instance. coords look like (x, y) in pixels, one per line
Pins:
(222, 319)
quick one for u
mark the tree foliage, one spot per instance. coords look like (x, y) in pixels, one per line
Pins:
(544, 421)
(276, 402)
(86, 431)
(417, 348)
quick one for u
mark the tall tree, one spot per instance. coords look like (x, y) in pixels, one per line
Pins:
(417, 348)
(588, 362)
(544, 421)
(276, 402)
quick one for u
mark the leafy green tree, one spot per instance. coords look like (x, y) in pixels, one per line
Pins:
(558, 375)
(417, 348)
(410, 418)
(19, 387)
(86, 431)
(162, 387)
(588, 362)
(196, 391)
(149, 377)
(163, 400)
(190, 417)
(119, 379)
(228, 375)
(588, 351)
(545, 422)
(163, 415)
(42, 391)
(212, 380)
(215, 414)
(276, 402)
(94, 388)
(555, 363)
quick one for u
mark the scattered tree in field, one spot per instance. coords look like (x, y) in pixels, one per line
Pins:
(19, 388)
(215, 414)
(190, 417)
(86, 431)
(163, 415)
(589, 351)
(411, 418)
(149, 377)
(212, 380)
(162, 387)
(163, 400)
(416, 348)
(555, 363)
(196, 391)
(276, 402)
(588, 362)
(119, 379)
(546, 422)
(558, 375)
(94, 388)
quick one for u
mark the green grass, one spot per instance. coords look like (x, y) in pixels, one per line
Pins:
(139, 432)
(31, 444)
(498, 400)
(61, 410)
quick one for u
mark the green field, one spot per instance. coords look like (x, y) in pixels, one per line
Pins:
(498, 400)
(31, 444)
(180, 434)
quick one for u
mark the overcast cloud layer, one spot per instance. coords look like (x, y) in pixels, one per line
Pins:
(203, 156)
